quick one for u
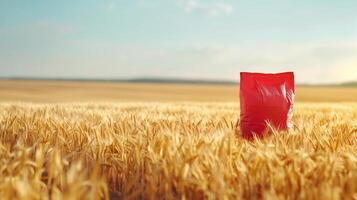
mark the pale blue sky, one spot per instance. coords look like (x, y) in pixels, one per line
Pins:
(206, 39)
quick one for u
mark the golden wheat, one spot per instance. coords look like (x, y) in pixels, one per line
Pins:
(67, 91)
(173, 150)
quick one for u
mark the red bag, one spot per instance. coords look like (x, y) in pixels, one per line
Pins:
(265, 98)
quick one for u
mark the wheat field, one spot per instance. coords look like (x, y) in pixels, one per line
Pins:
(41, 91)
(188, 150)
(156, 148)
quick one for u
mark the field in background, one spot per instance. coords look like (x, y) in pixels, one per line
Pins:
(60, 91)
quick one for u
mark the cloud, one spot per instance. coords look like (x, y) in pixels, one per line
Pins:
(213, 8)
(320, 62)
(43, 49)
(110, 7)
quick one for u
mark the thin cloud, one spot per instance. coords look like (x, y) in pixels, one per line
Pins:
(312, 62)
(212, 8)
(110, 7)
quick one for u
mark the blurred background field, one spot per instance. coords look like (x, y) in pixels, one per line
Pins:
(42, 91)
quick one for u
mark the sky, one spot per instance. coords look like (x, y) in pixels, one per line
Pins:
(190, 39)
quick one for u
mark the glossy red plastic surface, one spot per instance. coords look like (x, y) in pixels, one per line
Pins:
(265, 98)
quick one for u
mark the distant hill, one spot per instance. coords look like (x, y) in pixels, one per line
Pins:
(134, 80)
(181, 81)
(352, 84)
(167, 81)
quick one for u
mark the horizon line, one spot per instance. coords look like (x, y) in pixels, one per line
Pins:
(171, 80)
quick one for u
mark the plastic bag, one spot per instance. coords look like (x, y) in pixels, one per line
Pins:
(265, 99)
